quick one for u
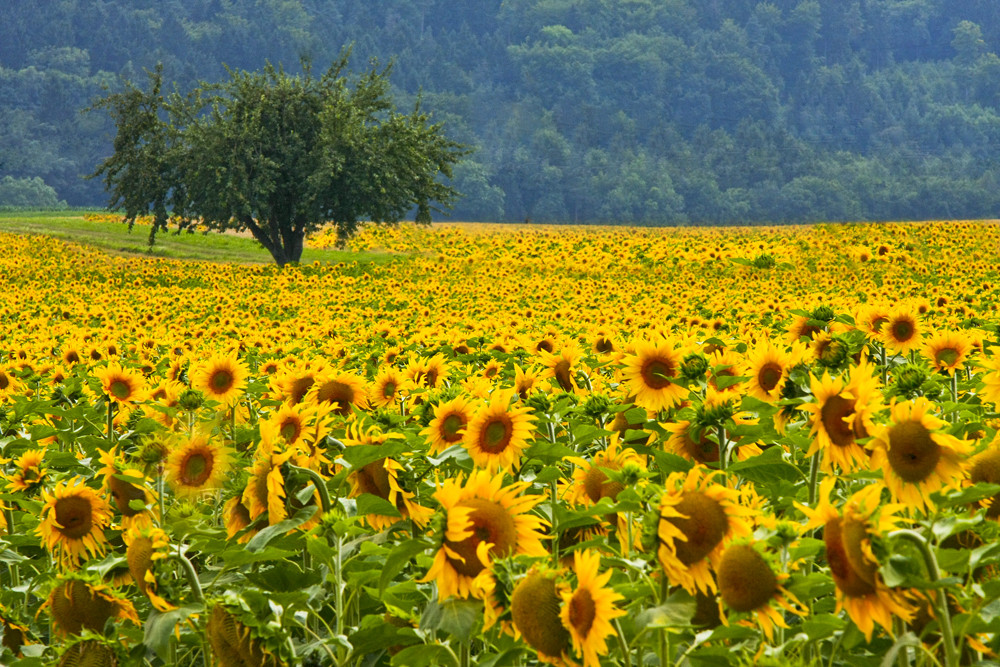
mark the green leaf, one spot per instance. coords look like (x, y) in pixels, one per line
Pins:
(548, 452)
(821, 626)
(401, 554)
(369, 503)
(966, 496)
(768, 467)
(676, 612)
(424, 655)
(260, 540)
(358, 456)
(726, 381)
(159, 628)
(456, 617)
(238, 555)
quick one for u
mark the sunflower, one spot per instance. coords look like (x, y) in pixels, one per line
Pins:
(197, 466)
(126, 485)
(984, 467)
(649, 375)
(162, 403)
(840, 415)
(447, 428)
(855, 570)
(73, 520)
(236, 517)
(588, 610)
(233, 644)
(388, 387)
(916, 456)
(30, 471)
(803, 326)
(265, 490)
(124, 386)
(9, 384)
(381, 478)
(901, 332)
(77, 603)
(431, 373)
(948, 350)
(692, 442)
(484, 520)
(341, 390)
(767, 370)
(724, 365)
(145, 547)
(534, 609)
(871, 319)
(697, 518)
(525, 381)
(748, 583)
(223, 378)
(559, 368)
(498, 432)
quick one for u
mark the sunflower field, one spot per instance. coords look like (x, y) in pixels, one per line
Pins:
(507, 446)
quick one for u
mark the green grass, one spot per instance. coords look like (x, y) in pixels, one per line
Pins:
(116, 238)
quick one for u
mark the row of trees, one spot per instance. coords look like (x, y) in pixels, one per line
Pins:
(654, 111)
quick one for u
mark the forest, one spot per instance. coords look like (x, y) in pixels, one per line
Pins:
(648, 112)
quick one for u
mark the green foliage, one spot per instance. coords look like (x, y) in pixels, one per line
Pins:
(19, 193)
(277, 155)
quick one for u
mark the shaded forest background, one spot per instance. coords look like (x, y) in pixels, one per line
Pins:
(640, 111)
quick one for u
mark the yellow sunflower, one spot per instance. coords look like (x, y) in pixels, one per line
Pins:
(222, 378)
(265, 490)
(649, 375)
(588, 610)
(750, 584)
(73, 520)
(724, 364)
(767, 369)
(30, 471)
(840, 415)
(855, 570)
(698, 517)
(126, 485)
(484, 520)
(431, 373)
(447, 428)
(559, 368)
(341, 390)
(381, 478)
(985, 467)
(498, 433)
(948, 350)
(535, 612)
(901, 332)
(236, 517)
(916, 456)
(388, 387)
(144, 547)
(122, 385)
(77, 603)
(163, 401)
(197, 466)
(525, 381)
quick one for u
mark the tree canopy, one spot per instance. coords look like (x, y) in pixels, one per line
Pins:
(276, 154)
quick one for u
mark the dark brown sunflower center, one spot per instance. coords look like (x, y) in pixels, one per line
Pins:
(913, 454)
(656, 373)
(120, 389)
(124, 493)
(450, 427)
(561, 372)
(986, 468)
(221, 381)
(196, 468)
(496, 435)
(902, 330)
(704, 526)
(833, 415)
(290, 429)
(337, 393)
(844, 576)
(597, 485)
(582, 611)
(534, 607)
(769, 376)
(603, 345)
(374, 479)
(299, 388)
(492, 523)
(746, 581)
(72, 357)
(702, 450)
(432, 377)
(75, 515)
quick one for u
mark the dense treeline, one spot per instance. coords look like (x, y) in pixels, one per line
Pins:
(649, 111)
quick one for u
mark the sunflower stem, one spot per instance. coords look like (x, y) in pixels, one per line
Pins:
(723, 448)
(813, 478)
(318, 482)
(664, 638)
(111, 423)
(463, 653)
(934, 574)
(191, 575)
(555, 523)
(954, 392)
(622, 645)
(885, 366)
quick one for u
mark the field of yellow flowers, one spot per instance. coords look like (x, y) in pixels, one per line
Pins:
(505, 446)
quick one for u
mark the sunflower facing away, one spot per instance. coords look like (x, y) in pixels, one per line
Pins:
(751, 583)
(484, 520)
(73, 520)
(77, 603)
(498, 433)
(30, 471)
(916, 456)
(535, 610)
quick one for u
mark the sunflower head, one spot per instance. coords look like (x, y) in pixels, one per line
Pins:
(74, 517)
(77, 603)
(89, 653)
(535, 609)
(233, 642)
(222, 378)
(197, 466)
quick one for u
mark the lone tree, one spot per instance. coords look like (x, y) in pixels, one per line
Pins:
(275, 154)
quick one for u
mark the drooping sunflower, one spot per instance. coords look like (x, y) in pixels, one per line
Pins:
(121, 385)
(916, 456)
(126, 484)
(30, 471)
(650, 373)
(525, 381)
(77, 602)
(233, 644)
(498, 433)
(431, 373)
(10, 385)
(222, 378)
(588, 609)
(855, 570)
(236, 517)
(144, 547)
(560, 368)
(901, 332)
(447, 428)
(948, 350)
(197, 466)
(750, 583)
(265, 490)
(840, 415)
(381, 478)
(535, 611)
(73, 520)
(698, 517)
(767, 369)
(484, 520)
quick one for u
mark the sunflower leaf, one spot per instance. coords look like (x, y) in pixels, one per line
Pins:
(159, 628)
(369, 503)
(424, 655)
(401, 554)
(676, 612)
(767, 467)
(261, 539)
(456, 617)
